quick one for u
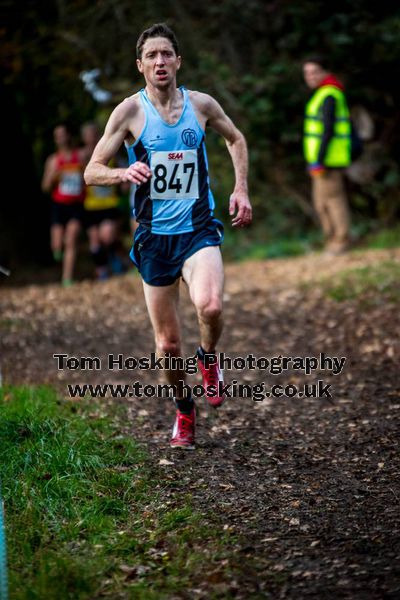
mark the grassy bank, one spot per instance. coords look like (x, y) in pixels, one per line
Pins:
(263, 242)
(372, 285)
(86, 514)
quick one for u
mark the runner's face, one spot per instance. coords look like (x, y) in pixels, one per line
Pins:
(313, 74)
(90, 135)
(61, 137)
(159, 63)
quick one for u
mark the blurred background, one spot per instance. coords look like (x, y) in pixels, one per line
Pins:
(249, 56)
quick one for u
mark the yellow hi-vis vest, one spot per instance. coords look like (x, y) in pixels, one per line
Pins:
(338, 152)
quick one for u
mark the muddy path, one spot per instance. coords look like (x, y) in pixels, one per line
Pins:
(310, 486)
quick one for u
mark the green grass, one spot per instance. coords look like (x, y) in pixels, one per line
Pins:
(85, 512)
(371, 285)
(258, 244)
(384, 238)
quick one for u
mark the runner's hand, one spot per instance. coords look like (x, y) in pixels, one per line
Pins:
(239, 201)
(138, 173)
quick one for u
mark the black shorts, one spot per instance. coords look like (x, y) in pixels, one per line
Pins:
(61, 214)
(95, 217)
(160, 258)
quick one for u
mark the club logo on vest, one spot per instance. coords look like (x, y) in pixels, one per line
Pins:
(189, 138)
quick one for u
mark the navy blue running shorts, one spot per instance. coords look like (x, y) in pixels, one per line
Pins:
(160, 258)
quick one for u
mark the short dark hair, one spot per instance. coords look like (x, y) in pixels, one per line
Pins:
(318, 59)
(157, 30)
(65, 124)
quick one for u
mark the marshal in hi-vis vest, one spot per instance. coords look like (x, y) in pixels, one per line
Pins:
(338, 153)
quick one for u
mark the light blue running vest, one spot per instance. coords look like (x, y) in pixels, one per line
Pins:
(177, 198)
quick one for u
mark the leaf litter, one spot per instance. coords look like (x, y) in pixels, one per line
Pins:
(309, 488)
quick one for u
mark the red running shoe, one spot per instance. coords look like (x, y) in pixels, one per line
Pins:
(183, 431)
(212, 376)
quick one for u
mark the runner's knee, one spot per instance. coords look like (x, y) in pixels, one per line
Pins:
(70, 241)
(169, 346)
(107, 233)
(71, 234)
(210, 310)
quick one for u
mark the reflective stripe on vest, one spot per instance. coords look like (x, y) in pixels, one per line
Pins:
(338, 152)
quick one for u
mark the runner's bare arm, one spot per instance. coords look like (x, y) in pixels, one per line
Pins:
(117, 129)
(236, 144)
(84, 156)
(50, 174)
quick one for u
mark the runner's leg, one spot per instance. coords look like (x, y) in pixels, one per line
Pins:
(56, 240)
(94, 238)
(108, 232)
(72, 230)
(204, 275)
(110, 238)
(162, 305)
(98, 252)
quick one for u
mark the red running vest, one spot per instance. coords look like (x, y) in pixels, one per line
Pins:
(70, 188)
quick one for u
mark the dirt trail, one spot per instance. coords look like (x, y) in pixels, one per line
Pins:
(310, 487)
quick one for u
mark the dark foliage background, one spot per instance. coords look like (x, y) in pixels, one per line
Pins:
(247, 54)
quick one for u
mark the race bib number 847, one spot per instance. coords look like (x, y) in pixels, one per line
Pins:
(174, 175)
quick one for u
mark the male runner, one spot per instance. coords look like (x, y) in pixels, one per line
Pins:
(163, 129)
(63, 178)
(102, 216)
